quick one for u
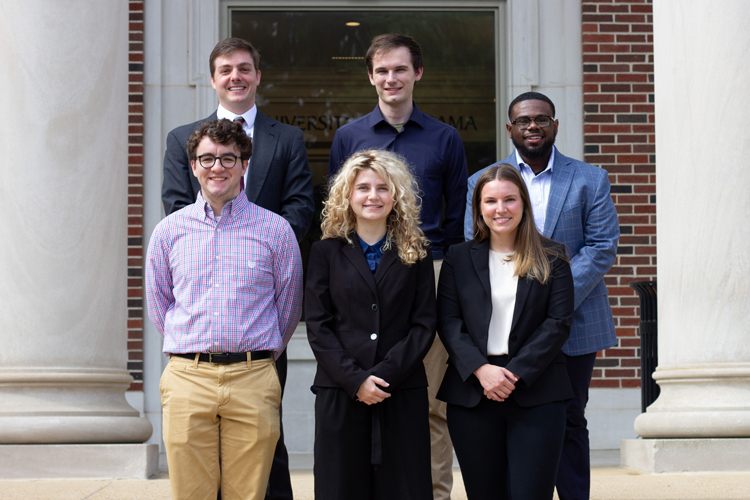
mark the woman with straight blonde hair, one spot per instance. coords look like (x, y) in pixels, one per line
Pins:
(506, 381)
(370, 316)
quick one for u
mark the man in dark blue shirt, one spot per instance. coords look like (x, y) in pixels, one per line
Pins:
(436, 154)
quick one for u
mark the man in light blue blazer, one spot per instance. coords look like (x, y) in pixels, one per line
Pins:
(572, 205)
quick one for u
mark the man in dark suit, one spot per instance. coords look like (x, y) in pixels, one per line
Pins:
(278, 178)
(572, 204)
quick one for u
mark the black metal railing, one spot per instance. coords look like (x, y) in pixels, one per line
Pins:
(646, 291)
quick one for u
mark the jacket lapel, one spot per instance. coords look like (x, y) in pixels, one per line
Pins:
(264, 145)
(522, 292)
(562, 176)
(357, 258)
(389, 258)
(480, 257)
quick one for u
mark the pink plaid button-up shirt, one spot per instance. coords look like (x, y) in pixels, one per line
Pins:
(229, 286)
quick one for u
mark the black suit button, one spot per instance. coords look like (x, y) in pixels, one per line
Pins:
(374, 336)
(374, 307)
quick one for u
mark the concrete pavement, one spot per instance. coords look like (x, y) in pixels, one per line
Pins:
(608, 483)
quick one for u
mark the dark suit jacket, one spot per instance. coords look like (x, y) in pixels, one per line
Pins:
(346, 306)
(279, 177)
(540, 326)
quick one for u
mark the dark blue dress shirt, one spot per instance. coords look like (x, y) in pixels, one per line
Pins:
(436, 155)
(373, 253)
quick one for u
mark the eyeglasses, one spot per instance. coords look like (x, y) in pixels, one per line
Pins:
(523, 122)
(227, 160)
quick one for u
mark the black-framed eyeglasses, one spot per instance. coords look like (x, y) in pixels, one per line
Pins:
(227, 160)
(523, 122)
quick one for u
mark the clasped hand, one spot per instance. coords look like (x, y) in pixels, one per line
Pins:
(496, 381)
(369, 392)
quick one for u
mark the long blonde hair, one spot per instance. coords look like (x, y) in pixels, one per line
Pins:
(402, 223)
(532, 249)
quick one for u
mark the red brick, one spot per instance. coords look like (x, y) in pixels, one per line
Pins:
(619, 128)
(634, 261)
(597, 18)
(598, 77)
(631, 38)
(588, 48)
(598, 38)
(589, 98)
(590, 88)
(615, 108)
(644, 129)
(614, 48)
(646, 68)
(626, 239)
(632, 158)
(644, 148)
(604, 383)
(600, 158)
(630, 321)
(645, 209)
(633, 138)
(598, 58)
(590, 128)
(613, 8)
(630, 18)
(632, 77)
(619, 373)
(623, 311)
(631, 383)
(642, 28)
(632, 98)
(648, 88)
(644, 229)
(632, 58)
(614, 28)
(620, 148)
(598, 139)
(645, 250)
(619, 353)
(647, 9)
(598, 118)
(643, 108)
(642, 48)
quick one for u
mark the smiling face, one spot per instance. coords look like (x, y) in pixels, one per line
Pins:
(370, 199)
(235, 81)
(393, 76)
(218, 184)
(534, 142)
(502, 210)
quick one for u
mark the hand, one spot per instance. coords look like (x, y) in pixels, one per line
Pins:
(369, 392)
(496, 381)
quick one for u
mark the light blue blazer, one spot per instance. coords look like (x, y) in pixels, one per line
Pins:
(580, 214)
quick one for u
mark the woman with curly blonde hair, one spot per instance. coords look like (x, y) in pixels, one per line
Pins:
(370, 316)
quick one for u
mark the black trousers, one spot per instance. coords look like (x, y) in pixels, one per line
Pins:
(574, 473)
(279, 483)
(377, 452)
(508, 452)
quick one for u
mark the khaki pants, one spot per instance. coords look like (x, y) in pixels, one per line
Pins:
(440, 441)
(213, 413)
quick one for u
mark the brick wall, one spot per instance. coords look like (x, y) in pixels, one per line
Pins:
(618, 96)
(135, 194)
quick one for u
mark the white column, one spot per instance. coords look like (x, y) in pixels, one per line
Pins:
(703, 206)
(63, 137)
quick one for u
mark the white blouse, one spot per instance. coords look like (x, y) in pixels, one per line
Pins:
(503, 285)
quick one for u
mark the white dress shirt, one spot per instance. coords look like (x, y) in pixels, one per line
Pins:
(248, 126)
(503, 286)
(538, 186)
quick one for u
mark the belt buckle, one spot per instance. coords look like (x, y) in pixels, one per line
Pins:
(212, 354)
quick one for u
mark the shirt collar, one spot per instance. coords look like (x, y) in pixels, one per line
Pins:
(377, 117)
(232, 207)
(550, 163)
(248, 115)
(377, 247)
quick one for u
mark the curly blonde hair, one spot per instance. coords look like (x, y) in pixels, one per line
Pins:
(402, 224)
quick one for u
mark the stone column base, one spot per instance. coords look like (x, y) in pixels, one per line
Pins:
(46, 461)
(682, 455)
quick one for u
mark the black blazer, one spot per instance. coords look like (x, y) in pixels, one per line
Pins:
(540, 326)
(279, 175)
(360, 325)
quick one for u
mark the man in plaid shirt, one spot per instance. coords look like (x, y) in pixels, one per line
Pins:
(224, 288)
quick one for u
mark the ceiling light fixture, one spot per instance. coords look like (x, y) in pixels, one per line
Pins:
(352, 23)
